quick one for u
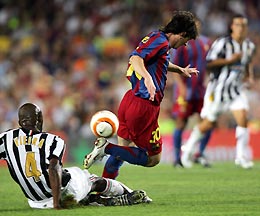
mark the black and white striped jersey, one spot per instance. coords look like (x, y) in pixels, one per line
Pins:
(226, 81)
(28, 158)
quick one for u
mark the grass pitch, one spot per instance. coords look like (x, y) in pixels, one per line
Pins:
(223, 190)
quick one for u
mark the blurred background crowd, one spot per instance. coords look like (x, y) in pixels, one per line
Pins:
(70, 56)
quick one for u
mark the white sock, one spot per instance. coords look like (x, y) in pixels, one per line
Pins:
(113, 188)
(242, 136)
(194, 138)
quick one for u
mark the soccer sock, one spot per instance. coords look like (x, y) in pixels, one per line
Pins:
(242, 136)
(204, 141)
(113, 188)
(177, 137)
(195, 136)
(132, 155)
(111, 168)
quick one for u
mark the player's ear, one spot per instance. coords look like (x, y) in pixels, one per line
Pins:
(183, 34)
(20, 124)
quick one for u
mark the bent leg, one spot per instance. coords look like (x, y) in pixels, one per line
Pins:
(132, 155)
(112, 166)
(204, 142)
(197, 134)
(153, 160)
(240, 117)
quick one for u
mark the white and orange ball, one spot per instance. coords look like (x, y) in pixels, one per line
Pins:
(104, 123)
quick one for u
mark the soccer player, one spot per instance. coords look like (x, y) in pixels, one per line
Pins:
(139, 137)
(34, 160)
(189, 92)
(229, 61)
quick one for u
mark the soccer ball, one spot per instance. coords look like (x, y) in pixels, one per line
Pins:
(104, 124)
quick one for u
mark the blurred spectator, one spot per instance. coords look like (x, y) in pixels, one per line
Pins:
(66, 55)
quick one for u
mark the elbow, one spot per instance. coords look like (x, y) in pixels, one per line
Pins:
(134, 58)
(54, 168)
(54, 165)
(209, 65)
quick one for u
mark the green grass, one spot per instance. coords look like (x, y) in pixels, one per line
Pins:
(221, 190)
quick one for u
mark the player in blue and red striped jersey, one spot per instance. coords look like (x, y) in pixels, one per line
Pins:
(139, 137)
(188, 93)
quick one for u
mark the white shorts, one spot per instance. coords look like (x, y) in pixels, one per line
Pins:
(79, 186)
(212, 109)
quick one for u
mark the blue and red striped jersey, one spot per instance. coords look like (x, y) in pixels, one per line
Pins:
(195, 55)
(154, 49)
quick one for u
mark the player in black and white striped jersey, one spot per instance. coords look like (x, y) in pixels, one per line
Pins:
(28, 152)
(229, 62)
(34, 160)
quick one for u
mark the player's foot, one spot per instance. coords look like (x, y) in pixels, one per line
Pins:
(242, 162)
(186, 159)
(135, 197)
(178, 164)
(202, 160)
(147, 199)
(97, 154)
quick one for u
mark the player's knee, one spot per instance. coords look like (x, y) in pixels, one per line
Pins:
(180, 123)
(153, 161)
(206, 125)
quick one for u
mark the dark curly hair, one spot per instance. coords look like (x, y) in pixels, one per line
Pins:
(182, 21)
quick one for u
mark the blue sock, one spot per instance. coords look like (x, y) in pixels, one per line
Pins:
(177, 137)
(132, 155)
(204, 141)
(112, 167)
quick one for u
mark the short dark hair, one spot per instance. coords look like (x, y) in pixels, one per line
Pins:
(234, 16)
(30, 117)
(182, 21)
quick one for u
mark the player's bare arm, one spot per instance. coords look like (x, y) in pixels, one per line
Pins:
(138, 64)
(187, 71)
(55, 181)
(222, 62)
(249, 75)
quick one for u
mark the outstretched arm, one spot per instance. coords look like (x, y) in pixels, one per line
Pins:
(220, 62)
(55, 181)
(187, 71)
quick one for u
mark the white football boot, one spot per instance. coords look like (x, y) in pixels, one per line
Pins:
(186, 161)
(186, 157)
(97, 154)
(242, 162)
